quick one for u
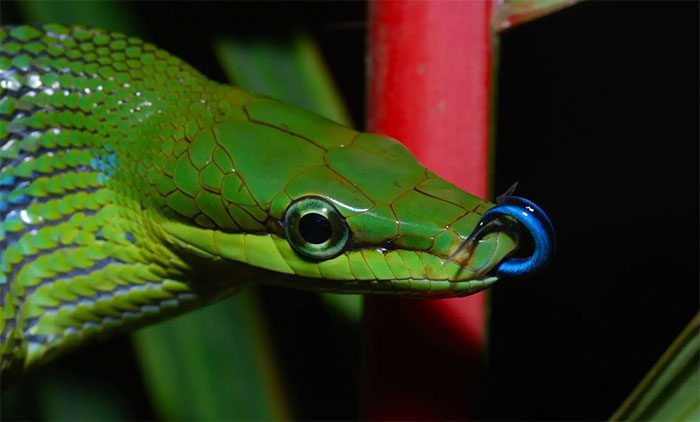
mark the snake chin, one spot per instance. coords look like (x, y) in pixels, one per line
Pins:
(418, 288)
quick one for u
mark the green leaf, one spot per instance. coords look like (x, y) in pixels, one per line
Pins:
(213, 364)
(671, 389)
(510, 13)
(62, 398)
(291, 70)
(106, 14)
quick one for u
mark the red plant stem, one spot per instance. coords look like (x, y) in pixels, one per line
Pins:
(429, 86)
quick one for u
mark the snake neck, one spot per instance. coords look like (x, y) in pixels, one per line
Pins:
(88, 154)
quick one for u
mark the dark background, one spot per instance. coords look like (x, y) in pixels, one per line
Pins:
(598, 119)
(597, 113)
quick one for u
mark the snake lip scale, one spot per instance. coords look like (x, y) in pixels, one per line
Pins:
(133, 188)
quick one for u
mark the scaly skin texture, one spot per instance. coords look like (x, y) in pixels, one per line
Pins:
(132, 188)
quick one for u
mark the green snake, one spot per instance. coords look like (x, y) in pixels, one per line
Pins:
(132, 189)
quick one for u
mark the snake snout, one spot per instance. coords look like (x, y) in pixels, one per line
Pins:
(534, 220)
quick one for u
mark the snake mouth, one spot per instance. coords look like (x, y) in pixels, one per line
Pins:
(476, 263)
(491, 242)
(418, 273)
(534, 221)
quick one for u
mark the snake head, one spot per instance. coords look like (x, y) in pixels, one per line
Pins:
(320, 206)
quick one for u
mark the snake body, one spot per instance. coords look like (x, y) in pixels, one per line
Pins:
(132, 188)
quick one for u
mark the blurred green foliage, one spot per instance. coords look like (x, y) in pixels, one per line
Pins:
(671, 389)
(213, 364)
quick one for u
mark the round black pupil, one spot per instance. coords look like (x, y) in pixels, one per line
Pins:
(315, 228)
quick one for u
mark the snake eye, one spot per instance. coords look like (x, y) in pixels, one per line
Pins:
(315, 229)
